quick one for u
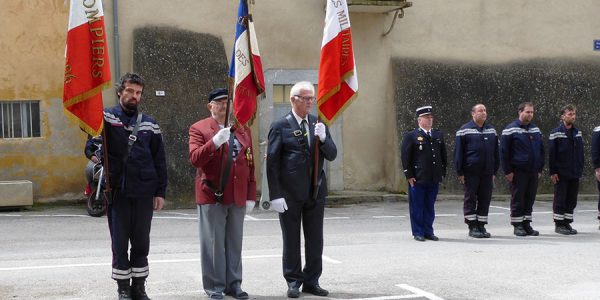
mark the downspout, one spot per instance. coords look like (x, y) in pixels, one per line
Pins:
(117, 60)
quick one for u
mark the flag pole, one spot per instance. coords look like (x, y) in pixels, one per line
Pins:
(107, 187)
(316, 170)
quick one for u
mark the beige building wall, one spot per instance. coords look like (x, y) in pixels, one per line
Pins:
(32, 47)
(290, 34)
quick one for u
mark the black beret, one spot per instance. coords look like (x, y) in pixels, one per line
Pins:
(424, 110)
(217, 94)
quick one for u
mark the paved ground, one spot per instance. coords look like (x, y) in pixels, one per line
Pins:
(60, 253)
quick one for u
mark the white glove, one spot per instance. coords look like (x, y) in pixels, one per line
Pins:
(250, 205)
(279, 205)
(221, 137)
(320, 131)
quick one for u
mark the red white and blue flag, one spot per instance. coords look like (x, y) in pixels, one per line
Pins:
(246, 67)
(338, 82)
(87, 70)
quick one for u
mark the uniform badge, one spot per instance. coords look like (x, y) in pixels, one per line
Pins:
(297, 133)
(249, 157)
(420, 138)
(420, 147)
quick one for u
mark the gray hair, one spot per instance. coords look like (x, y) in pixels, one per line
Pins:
(301, 86)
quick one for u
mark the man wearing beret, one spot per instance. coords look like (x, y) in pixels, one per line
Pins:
(423, 157)
(290, 171)
(225, 193)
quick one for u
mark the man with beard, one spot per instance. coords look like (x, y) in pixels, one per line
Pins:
(476, 161)
(522, 152)
(565, 147)
(138, 179)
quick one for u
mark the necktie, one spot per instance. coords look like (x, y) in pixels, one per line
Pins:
(429, 133)
(303, 126)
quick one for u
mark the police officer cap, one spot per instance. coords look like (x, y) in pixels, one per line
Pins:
(424, 110)
(217, 94)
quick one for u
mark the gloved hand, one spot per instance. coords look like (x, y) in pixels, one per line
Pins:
(250, 205)
(221, 137)
(320, 131)
(279, 205)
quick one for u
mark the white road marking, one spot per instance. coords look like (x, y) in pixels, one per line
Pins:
(251, 218)
(383, 217)
(175, 218)
(496, 214)
(159, 261)
(445, 215)
(500, 207)
(419, 292)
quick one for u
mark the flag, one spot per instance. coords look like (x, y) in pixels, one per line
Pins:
(87, 70)
(246, 67)
(338, 83)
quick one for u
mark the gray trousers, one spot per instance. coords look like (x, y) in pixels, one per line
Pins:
(221, 230)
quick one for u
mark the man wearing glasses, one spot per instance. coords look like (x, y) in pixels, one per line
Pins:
(290, 171)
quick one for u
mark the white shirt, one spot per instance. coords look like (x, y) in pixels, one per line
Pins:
(307, 128)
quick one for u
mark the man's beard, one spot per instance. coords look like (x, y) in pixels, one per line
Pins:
(130, 106)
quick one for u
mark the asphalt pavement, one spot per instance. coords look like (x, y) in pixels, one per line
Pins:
(61, 253)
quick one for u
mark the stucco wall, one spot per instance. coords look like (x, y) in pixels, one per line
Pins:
(32, 43)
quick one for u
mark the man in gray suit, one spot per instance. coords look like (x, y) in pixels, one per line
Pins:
(290, 170)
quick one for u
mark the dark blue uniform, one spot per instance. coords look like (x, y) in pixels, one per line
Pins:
(134, 184)
(423, 158)
(522, 153)
(596, 158)
(476, 157)
(565, 148)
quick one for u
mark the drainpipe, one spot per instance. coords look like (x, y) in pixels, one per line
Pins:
(117, 61)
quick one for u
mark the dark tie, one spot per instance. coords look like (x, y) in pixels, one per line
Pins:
(303, 129)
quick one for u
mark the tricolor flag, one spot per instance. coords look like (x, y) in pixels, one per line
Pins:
(338, 83)
(87, 70)
(246, 67)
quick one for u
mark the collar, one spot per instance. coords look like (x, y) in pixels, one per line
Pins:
(425, 131)
(298, 119)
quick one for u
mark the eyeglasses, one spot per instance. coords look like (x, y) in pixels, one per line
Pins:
(306, 98)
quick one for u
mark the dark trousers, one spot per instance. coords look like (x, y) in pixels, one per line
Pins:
(523, 189)
(598, 185)
(478, 195)
(565, 200)
(129, 221)
(421, 206)
(309, 215)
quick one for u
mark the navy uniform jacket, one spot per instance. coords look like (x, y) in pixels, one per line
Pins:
(424, 157)
(290, 161)
(476, 150)
(565, 152)
(596, 147)
(145, 174)
(522, 148)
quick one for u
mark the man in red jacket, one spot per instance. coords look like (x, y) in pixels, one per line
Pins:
(223, 196)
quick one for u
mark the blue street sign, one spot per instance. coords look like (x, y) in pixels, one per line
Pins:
(596, 45)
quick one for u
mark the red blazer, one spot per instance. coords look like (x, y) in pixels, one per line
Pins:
(241, 184)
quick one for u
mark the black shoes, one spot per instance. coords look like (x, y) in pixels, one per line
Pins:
(565, 229)
(529, 229)
(138, 289)
(481, 227)
(237, 293)
(419, 238)
(315, 290)
(124, 290)
(216, 296)
(432, 237)
(519, 230)
(293, 292)
(474, 231)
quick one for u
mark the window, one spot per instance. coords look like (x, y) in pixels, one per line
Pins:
(19, 119)
(281, 92)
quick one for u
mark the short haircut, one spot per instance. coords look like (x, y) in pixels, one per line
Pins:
(569, 107)
(523, 105)
(131, 78)
(300, 86)
(473, 108)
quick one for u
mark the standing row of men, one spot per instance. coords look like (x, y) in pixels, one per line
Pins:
(225, 189)
(477, 158)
